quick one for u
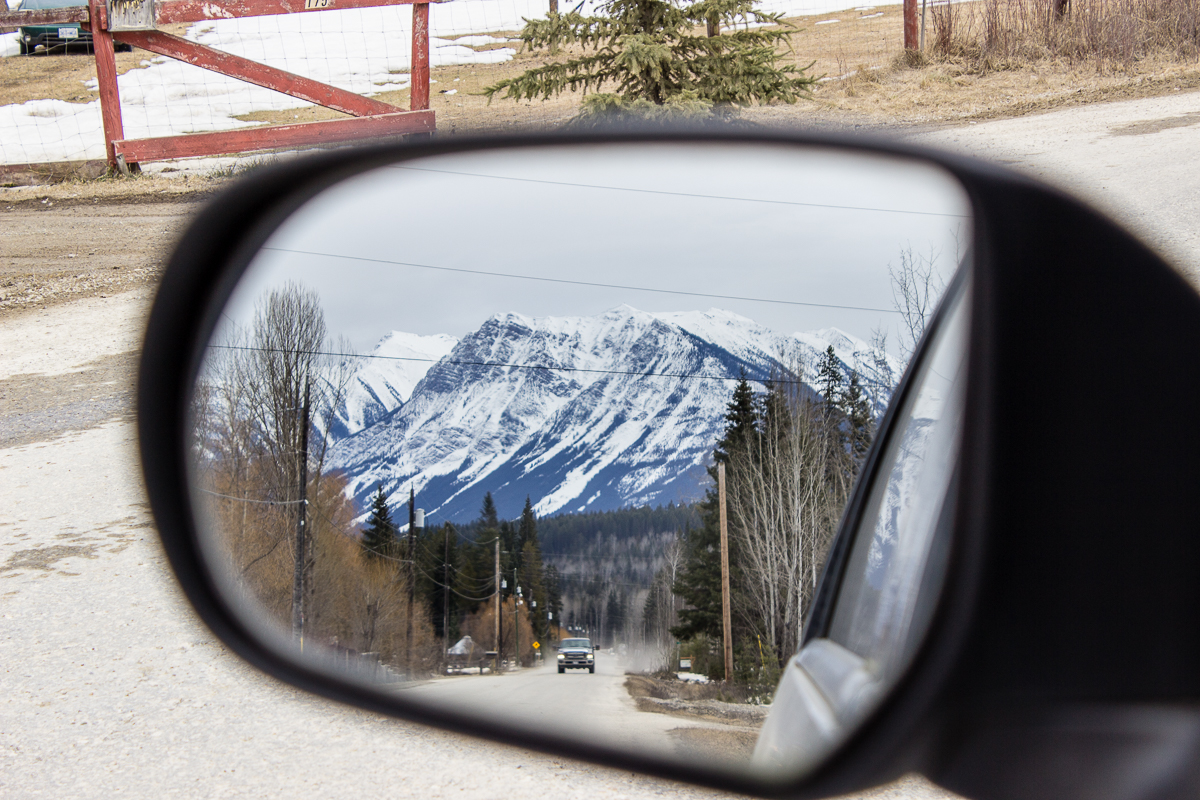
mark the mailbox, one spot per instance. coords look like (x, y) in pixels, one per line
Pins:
(130, 15)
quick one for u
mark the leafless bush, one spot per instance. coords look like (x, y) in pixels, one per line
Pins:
(995, 34)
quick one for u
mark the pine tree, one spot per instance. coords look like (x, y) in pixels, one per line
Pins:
(829, 378)
(645, 56)
(488, 520)
(379, 537)
(741, 421)
(527, 527)
(699, 581)
(554, 601)
(510, 557)
(614, 618)
(857, 410)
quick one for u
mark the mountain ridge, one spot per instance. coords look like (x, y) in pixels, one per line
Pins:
(579, 413)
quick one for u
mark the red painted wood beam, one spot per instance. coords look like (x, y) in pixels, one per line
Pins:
(173, 11)
(195, 145)
(419, 71)
(46, 16)
(253, 72)
(106, 80)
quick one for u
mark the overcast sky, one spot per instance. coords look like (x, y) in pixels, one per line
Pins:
(438, 245)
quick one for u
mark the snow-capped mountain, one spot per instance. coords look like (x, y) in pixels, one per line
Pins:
(579, 413)
(385, 381)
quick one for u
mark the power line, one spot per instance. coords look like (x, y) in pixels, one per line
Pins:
(590, 284)
(501, 365)
(697, 195)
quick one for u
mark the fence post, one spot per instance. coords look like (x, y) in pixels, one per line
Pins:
(911, 41)
(106, 78)
(419, 84)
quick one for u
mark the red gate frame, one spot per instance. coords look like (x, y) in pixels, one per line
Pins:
(369, 118)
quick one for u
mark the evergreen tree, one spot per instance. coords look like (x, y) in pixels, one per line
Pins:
(554, 601)
(614, 618)
(509, 556)
(699, 582)
(741, 422)
(532, 584)
(379, 537)
(857, 410)
(487, 514)
(829, 379)
(650, 57)
(527, 527)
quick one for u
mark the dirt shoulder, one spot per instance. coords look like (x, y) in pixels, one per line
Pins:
(39, 408)
(708, 702)
(90, 238)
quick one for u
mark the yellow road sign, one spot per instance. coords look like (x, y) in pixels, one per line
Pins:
(536, 645)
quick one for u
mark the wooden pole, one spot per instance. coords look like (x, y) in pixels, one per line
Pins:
(496, 661)
(911, 35)
(445, 596)
(419, 85)
(106, 78)
(726, 614)
(412, 579)
(299, 572)
(924, 9)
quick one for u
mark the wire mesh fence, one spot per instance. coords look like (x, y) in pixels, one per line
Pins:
(50, 111)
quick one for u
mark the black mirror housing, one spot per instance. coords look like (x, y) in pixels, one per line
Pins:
(1068, 628)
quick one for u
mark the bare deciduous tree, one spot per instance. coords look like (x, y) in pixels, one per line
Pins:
(248, 413)
(916, 288)
(787, 490)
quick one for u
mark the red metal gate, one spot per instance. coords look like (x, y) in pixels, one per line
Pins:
(369, 118)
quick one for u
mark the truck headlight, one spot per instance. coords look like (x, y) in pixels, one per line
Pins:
(561, 656)
(591, 656)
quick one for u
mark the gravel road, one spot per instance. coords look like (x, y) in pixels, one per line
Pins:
(109, 685)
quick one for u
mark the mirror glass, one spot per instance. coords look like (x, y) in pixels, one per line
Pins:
(895, 566)
(473, 428)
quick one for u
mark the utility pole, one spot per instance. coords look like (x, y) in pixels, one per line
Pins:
(445, 595)
(299, 573)
(414, 519)
(496, 666)
(726, 623)
(516, 619)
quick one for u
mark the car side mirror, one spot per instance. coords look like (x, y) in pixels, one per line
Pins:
(379, 384)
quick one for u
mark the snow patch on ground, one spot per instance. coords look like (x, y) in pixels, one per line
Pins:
(8, 45)
(365, 51)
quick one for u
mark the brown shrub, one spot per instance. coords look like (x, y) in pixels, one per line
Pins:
(999, 34)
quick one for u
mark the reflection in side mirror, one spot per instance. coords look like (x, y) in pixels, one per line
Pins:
(895, 566)
(451, 449)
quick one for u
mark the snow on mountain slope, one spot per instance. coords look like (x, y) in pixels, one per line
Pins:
(579, 413)
(384, 382)
(755, 344)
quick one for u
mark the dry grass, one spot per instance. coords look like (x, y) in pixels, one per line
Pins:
(995, 34)
(870, 80)
(62, 76)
